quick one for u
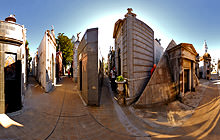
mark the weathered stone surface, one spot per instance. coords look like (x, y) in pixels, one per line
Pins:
(160, 88)
(75, 63)
(170, 77)
(46, 56)
(88, 67)
(134, 46)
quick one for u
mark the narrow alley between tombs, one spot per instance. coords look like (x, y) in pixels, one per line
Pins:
(61, 114)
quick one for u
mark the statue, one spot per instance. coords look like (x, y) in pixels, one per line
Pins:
(129, 10)
(78, 36)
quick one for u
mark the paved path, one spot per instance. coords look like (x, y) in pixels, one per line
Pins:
(198, 119)
(61, 115)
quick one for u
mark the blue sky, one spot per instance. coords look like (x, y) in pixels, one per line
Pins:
(189, 21)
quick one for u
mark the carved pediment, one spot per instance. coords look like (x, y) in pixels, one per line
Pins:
(189, 47)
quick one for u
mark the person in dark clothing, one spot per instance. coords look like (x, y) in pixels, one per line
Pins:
(113, 77)
(71, 71)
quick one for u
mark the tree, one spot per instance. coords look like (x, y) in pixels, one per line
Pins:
(65, 45)
(29, 58)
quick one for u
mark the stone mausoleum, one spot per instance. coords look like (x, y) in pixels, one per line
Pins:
(88, 73)
(47, 61)
(75, 62)
(173, 77)
(12, 64)
(134, 52)
(205, 69)
(34, 65)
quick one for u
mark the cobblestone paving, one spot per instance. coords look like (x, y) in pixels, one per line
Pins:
(61, 115)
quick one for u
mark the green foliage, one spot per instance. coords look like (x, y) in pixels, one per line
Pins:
(120, 78)
(29, 58)
(66, 47)
(26, 43)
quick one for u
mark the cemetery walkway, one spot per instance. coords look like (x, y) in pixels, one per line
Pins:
(196, 117)
(62, 115)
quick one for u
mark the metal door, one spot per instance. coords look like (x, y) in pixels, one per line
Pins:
(186, 80)
(12, 73)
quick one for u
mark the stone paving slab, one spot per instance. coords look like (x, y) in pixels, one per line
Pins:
(196, 118)
(61, 115)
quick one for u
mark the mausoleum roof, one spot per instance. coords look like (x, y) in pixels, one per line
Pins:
(117, 26)
(189, 47)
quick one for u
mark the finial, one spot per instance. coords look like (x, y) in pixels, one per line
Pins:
(205, 46)
(11, 18)
(12, 15)
(130, 13)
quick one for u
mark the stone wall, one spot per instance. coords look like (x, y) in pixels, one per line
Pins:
(135, 40)
(41, 67)
(2, 82)
(88, 67)
(143, 58)
(160, 88)
(47, 61)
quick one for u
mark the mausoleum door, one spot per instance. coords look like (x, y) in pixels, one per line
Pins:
(119, 62)
(186, 80)
(80, 74)
(12, 73)
(53, 66)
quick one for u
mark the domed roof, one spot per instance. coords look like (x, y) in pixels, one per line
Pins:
(11, 18)
(206, 55)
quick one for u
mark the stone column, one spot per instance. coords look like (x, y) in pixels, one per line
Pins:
(193, 76)
(181, 79)
(2, 84)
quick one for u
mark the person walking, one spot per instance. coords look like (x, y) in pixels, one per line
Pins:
(69, 73)
(113, 77)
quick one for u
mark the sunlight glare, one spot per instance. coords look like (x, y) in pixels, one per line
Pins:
(6, 122)
(58, 85)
